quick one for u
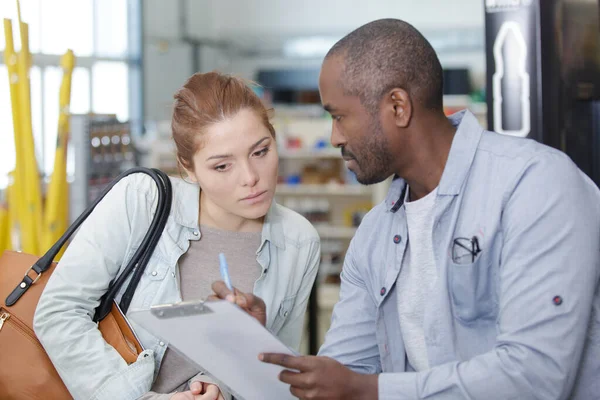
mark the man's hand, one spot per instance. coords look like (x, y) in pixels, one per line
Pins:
(199, 391)
(322, 378)
(255, 306)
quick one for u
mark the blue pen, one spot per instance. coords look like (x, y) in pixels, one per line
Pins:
(225, 271)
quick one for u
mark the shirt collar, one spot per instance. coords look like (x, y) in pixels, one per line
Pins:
(462, 152)
(185, 209)
(458, 165)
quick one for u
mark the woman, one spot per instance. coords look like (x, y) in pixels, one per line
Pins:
(226, 146)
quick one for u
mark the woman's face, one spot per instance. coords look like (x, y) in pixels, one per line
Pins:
(236, 166)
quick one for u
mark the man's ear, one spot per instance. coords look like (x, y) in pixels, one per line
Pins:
(401, 104)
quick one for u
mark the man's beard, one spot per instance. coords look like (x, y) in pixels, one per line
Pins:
(374, 160)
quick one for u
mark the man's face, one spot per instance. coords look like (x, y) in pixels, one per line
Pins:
(355, 131)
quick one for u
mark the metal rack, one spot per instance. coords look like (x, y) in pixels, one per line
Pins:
(100, 149)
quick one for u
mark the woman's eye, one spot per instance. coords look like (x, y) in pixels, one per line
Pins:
(262, 152)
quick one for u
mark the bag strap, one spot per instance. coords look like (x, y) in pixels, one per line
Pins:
(138, 262)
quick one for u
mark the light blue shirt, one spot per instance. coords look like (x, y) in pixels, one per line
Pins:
(289, 256)
(520, 322)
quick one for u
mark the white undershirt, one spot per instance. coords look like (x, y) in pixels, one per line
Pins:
(417, 277)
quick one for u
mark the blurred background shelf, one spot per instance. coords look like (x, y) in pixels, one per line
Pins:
(335, 232)
(323, 190)
(302, 154)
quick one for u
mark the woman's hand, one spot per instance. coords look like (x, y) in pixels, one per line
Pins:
(200, 391)
(253, 305)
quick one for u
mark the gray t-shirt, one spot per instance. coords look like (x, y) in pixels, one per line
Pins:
(198, 269)
(416, 278)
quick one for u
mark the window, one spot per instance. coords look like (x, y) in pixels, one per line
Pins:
(110, 89)
(80, 91)
(111, 39)
(68, 24)
(7, 156)
(30, 12)
(100, 32)
(52, 78)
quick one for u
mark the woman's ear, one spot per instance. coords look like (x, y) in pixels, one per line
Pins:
(185, 173)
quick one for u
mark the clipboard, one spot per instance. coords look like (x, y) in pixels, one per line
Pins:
(224, 341)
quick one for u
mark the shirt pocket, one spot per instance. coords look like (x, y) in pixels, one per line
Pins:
(285, 309)
(154, 274)
(156, 270)
(472, 289)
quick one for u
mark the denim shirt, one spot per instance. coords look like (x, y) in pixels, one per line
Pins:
(521, 320)
(91, 369)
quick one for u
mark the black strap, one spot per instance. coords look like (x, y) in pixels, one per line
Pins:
(138, 262)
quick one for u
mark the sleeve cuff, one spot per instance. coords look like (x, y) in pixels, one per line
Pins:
(135, 381)
(398, 386)
(201, 377)
(156, 396)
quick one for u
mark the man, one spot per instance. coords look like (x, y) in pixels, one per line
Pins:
(477, 277)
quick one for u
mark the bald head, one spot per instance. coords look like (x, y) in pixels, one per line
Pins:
(387, 54)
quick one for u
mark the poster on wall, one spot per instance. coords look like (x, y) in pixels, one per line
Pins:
(513, 70)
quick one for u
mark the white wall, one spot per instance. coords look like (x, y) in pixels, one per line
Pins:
(267, 23)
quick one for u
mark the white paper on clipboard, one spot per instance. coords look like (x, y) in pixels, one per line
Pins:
(224, 341)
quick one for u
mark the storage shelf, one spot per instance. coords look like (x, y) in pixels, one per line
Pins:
(329, 295)
(301, 154)
(335, 232)
(478, 108)
(463, 101)
(322, 190)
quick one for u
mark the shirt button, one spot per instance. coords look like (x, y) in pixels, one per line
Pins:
(196, 233)
(397, 239)
(154, 273)
(266, 270)
(382, 291)
(285, 314)
(161, 343)
(557, 300)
